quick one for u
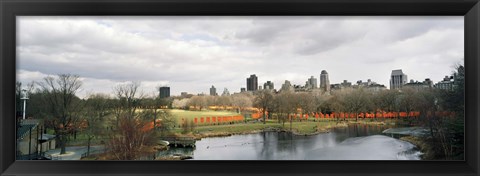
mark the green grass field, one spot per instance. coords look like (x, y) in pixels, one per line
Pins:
(235, 128)
(310, 126)
(303, 127)
(179, 114)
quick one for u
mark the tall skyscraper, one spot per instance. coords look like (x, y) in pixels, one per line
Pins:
(446, 84)
(268, 85)
(287, 86)
(324, 81)
(225, 92)
(397, 79)
(252, 83)
(312, 83)
(213, 91)
(164, 92)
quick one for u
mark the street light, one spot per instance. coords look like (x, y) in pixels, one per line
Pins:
(24, 98)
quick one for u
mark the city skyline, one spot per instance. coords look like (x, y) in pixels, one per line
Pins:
(197, 53)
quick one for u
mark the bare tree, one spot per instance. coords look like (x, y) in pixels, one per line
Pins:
(60, 96)
(320, 99)
(211, 100)
(263, 100)
(224, 101)
(167, 122)
(133, 134)
(128, 99)
(242, 101)
(446, 131)
(356, 102)
(198, 102)
(286, 106)
(131, 139)
(337, 102)
(180, 103)
(388, 100)
(306, 102)
(96, 110)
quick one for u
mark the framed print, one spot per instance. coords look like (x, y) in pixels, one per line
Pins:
(252, 87)
(269, 115)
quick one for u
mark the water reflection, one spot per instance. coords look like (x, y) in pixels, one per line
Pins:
(355, 142)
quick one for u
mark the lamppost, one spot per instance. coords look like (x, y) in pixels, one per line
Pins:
(24, 98)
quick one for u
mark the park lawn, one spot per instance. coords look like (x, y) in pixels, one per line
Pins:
(236, 128)
(310, 127)
(179, 114)
(301, 128)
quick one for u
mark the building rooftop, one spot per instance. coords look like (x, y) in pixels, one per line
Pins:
(397, 72)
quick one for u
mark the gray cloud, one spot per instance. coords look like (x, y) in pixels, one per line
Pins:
(193, 53)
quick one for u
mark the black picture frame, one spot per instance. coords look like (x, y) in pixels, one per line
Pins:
(9, 9)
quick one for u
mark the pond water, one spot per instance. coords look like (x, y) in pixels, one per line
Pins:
(355, 142)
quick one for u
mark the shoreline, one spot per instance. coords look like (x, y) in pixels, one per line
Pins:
(226, 134)
(424, 147)
(319, 130)
(211, 133)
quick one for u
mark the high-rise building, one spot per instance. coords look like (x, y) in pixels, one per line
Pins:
(311, 83)
(428, 82)
(346, 84)
(213, 91)
(287, 86)
(397, 79)
(252, 83)
(420, 85)
(342, 85)
(225, 92)
(164, 92)
(369, 82)
(268, 85)
(324, 81)
(447, 83)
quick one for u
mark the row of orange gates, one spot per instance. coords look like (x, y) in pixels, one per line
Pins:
(370, 115)
(219, 119)
(364, 115)
(239, 118)
(353, 115)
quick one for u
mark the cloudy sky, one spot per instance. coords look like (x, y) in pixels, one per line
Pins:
(190, 54)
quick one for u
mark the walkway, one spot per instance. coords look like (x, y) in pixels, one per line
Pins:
(73, 153)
